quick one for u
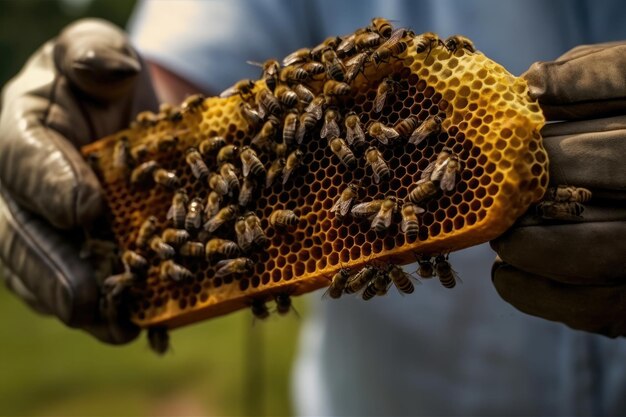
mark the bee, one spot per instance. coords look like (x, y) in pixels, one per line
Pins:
(354, 132)
(338, 283)
(566, 210)
(456, 42)
(166, 142)
(146, 119)
(367, 40)
(266, 135)
(392, 47)
(427, 41)
(374, 159)
(252, 116)
(448, 178)
(114, 285)
(568, 193)
(259, 309)
(271, 68)
(192, 102)
(425, 269)
(241, 88)
(165, 178)
(316, 107)
(229, 173)
(225, 215)
(424, 189)
(330, 128)
(170, 112)
(304, 94)
(443, 169)
(159, 339)
(283, 219)
(220, 247)
(343, 152)
(286, 95)
(290, 127)
(193, 219)
(134, 262)
(143, 172)
(385, 90)
(139, 152)
(246, 193)
(329, 43)
(347, 44)
(212, 206)
(280, 149)
(401, 279)
(360, 279)
(251, 163)
(292, 75)
(228, 267)
(275, 171)
(267, 103)
(382, 219)
(447, 275)
(171, 270)
(147, 229)
(283, 303)
(296, 57)
(314, 68)
(382, 26)
(381, 282)
(162, 249)
(196, 163)
(178, 210)
(429, 127)
(309, 118)
(334, 66)
(192, 250)
(336, 88)
(406, 127)
(293, 162)
(227, 153)
(212, 144)
(384, 134)
(344, 202)
(410, 224)
(218, 184)
(356, 65)
(175, 237)
(254, 232)
(240, 232)
(370, 291)
(120, 154)
(367, 210)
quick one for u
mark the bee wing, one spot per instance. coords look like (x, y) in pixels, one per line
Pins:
(383, 216)
(242, 241)
(213, 223)
(256, 64)
(365, 209)
(230, 91)
(330, 130)
(419, 134)
(379, 102)
(342, 206)
(390, 133)
(315, 110)
(356, 134)
(395, 36)
(224, 268)
(293, 58)
(197, 219)
(404, 224)
(286, 174)
(439, 170)
(170, 212)
(448, 180)
(246, 165)
(427, 173)
(300, 132)
(346, 44)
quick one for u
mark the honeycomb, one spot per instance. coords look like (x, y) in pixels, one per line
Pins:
(489, 122)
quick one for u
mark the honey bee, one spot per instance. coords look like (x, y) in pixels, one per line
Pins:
(356, 65)
(456, 42)
(283, 219)
(134, 262)
(360, 279)
(240, 232)
(344, 202)
(143, 173)
(212, 144)
(275, 171)
(196, 163)
(114, 285)
(309, 118)
(406, 127)
(314, 68)
(329, 43)
(165, 178)
(225, 215)
(382, 26)
(367, 40)
(427, 41)
(175, 237)
(343, 152)
(385, 90)
(429, 127)
(424, 189)
(229, 173)
(220, 247)
(228, 267)
(246, 193)
(227, 153)
(296, 57)
(334, 66)
(159, 339)
(293, 162)
(565, 210)
(259, 309)
(374, 159)
(192, 103)
(193, 219)
(171, 270)
(147, 229)
(347, 44)
(178, 210)
(293, 75)
(192, 250)
(169, 112)
(267, 103)
(382, 133)
(330, 128)
(448, 178)
(286, 95)
(120, 154)
(290, 127)
(304, 94)
(241, 88)
(250, 162)
(263, 139)
(370, 291)
(443, 169)
(338, 283)
(568, 193)
(425, 269)
(252, 116)
(254, 232)
(139, 152)
(271, 67)
(401, 279)
(410, 224)
(354, 132)
(316, 107)
(447, 275)
(381, 282)
(367, 210)
(162, 249)
(218, 184)
(336, 88)
(382, 219)
(212, 206)
(283, 303)
(393, 47)
(280, 149)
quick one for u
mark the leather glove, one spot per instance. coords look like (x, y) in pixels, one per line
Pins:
(83, 85)
(575, 272)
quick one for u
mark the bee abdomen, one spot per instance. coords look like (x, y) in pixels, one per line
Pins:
(162, 249)
(370, 292)
(412, 228)
(283, 218)
(447, 280)
(192, 249)
(166, 178)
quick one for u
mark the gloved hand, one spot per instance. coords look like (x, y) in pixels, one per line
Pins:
(575, 273)
(79, 87)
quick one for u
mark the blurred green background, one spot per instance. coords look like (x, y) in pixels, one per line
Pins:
(215, 368)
